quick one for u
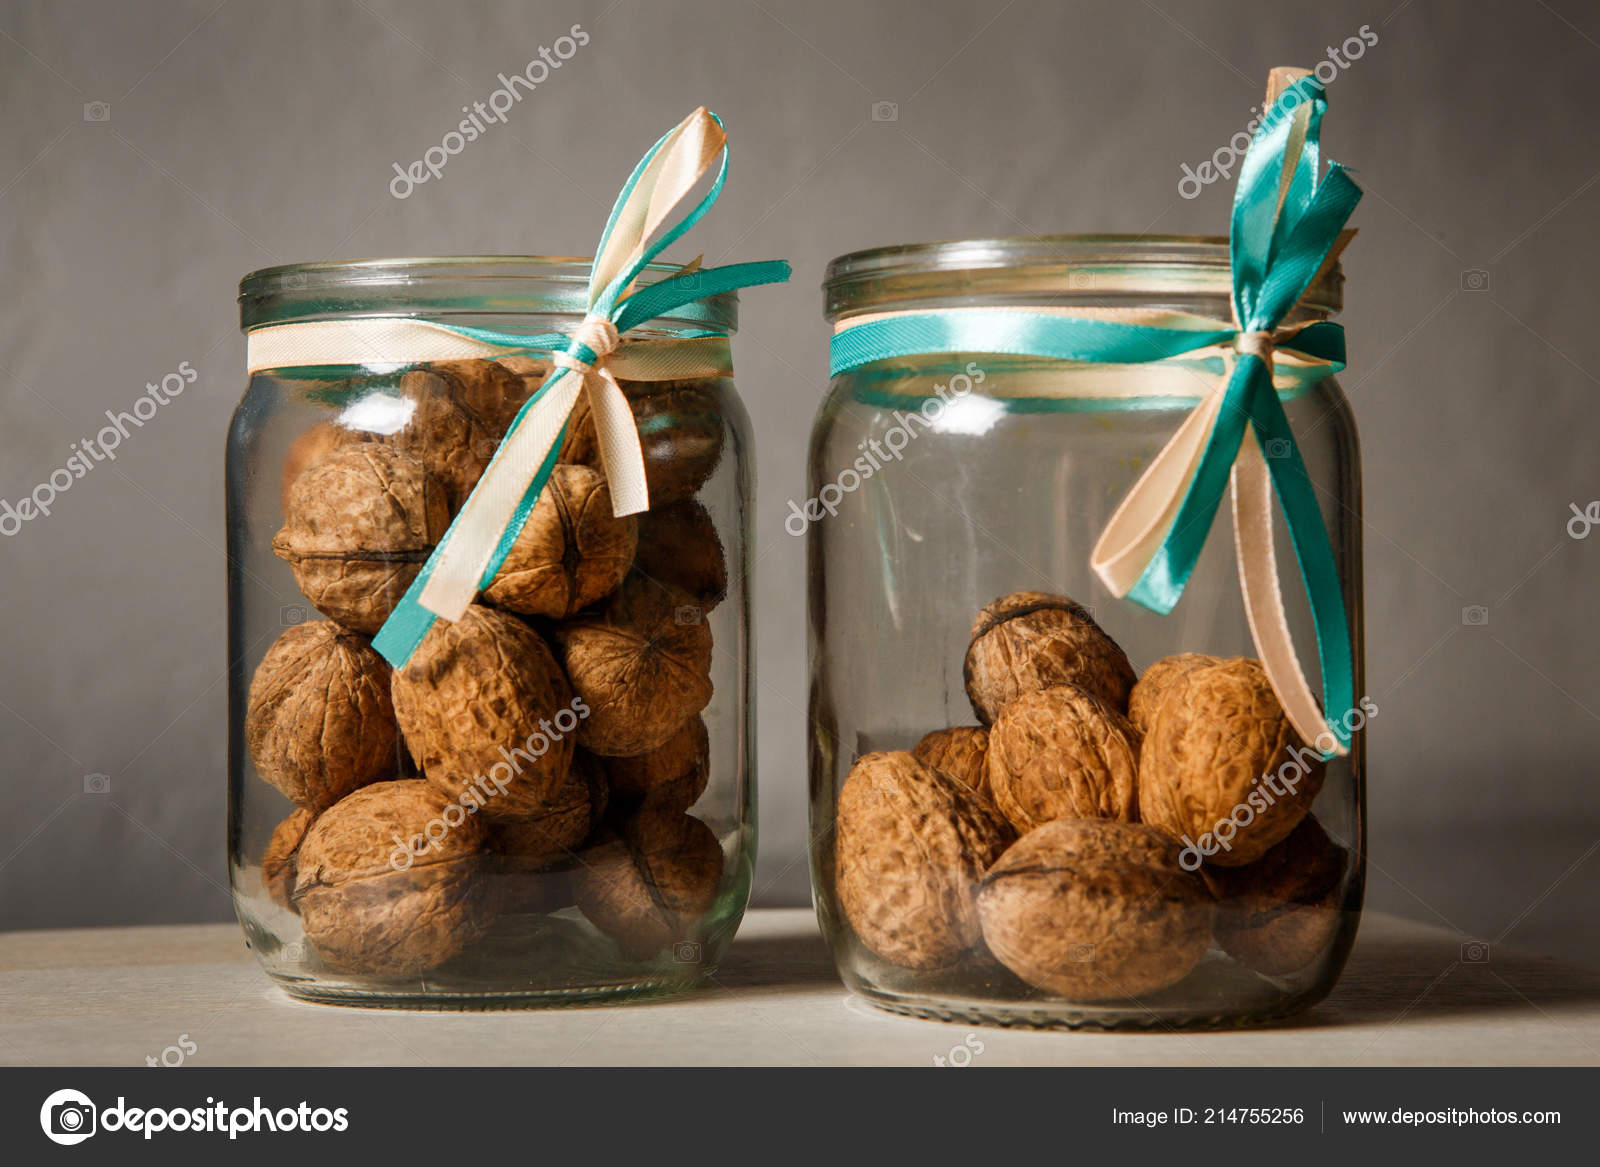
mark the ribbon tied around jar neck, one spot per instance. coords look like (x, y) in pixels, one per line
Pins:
(1288, 226)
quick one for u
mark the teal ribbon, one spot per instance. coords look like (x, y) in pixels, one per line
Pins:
(1285, 224)
(409, 623)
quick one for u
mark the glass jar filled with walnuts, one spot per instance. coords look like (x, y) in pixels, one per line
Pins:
(549, 798)
(1034, 802)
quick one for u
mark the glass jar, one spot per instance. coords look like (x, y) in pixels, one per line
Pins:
(552, 800)
(999, 871)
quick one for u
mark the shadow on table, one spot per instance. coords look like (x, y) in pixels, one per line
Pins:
(777, 964)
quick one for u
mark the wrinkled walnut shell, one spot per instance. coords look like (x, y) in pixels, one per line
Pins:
(570, 552)
(359, 523)
(320, 722)
(310, 448)
(278, 861)
(487, 714)
(491, 392)
(680, 435)
(452, 444)
(678, 545)
(1156, 680)
(960, 752)
(911, 844)
(1032, 640)
(1280, 913)
(363, 908)
(1062, 753)
(530, 860)
(1095, 910)
(642, 665)
(674, 774)
(1220, 751)
(647, 883)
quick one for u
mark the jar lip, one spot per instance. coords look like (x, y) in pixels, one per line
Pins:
(447, 285)
(1058, 267)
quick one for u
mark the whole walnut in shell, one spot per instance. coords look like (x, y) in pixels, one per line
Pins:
(647, 883)
(673, 774)
(488, 715)
(360, 522)
(310, 447)
(680, 435)
(678, 545)
(1062, 753)
(1156, 680)
(1222, 768)
(642, 665)
(452, 444)
(278, 861)
(1280, 913)
(491, 392)
(1033, 640)
(960, 752)
(570, 552)
(370, 904)
(319, 721)
(911, 844)
(1095, 910)
(530, 860)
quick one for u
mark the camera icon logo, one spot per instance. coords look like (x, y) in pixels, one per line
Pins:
(1078, 278)
(1475, 952)
(1278, 448)
(1081, 953)
(68, 1117)
(1474, 279)
(97, 783)
(885, 111)
(687, 614)
(291, 614)
(1475, 616)
(686, 952)
(97, 111)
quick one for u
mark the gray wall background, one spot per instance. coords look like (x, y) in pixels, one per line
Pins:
(242, 134)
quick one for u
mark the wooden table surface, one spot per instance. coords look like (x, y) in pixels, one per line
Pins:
(118, 996)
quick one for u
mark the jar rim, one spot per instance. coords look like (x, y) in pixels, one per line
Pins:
(1057, 268)
(448, 285)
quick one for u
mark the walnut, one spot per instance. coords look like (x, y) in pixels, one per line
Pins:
(1279, 914)
(491, 392)
(320, 722)
(680, 434)
(1153, 685)
(382, 890)
(911, 844)
(1032, 640)
(530, 861)
(1062, 753)
(647, 883)
(959, 752)
(678, 544)
(1094, 910)
(641, 664)
(570, 552)
(673, 774)
(359, 524)
(278, 861)
(311, 447)
(1221, 768)
(487, 714)
(452, 444)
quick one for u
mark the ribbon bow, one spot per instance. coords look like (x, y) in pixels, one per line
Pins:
(1287, 226)
(479, 539)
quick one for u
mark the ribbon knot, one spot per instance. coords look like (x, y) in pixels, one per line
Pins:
(1258, 344)
(592, 342)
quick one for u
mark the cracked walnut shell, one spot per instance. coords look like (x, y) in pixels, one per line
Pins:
(960, 752)
(1280, 913)
(1221, 756)
(1095, 910)
(911, 844)
(360, 522)
(365, 911)
(647, 883)
(481, 705)
(1062, 753)
(571, 551)
(642, 665)
(1033, 640)
(320, 722)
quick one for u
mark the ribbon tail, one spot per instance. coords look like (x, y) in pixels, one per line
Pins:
(620, 453)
